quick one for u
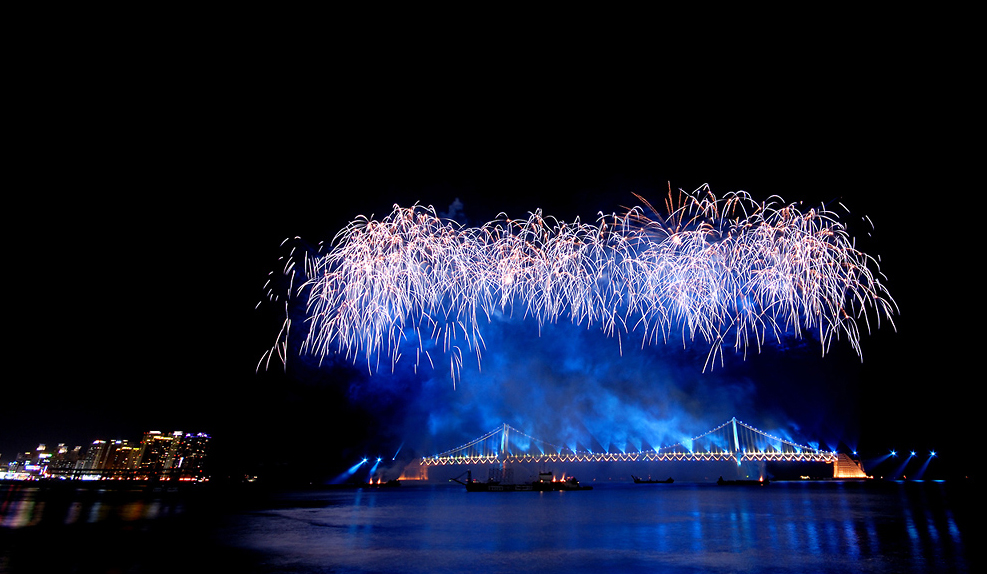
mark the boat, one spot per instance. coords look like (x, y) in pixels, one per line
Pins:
(651, 481)
(546, 483)
(763, 482)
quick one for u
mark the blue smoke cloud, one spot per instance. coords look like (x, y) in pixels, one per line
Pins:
(575, 388)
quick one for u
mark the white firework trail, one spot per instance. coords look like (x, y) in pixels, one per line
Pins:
(725, 271)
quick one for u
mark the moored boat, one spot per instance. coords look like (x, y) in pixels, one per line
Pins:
(638, 480)
(546, 483)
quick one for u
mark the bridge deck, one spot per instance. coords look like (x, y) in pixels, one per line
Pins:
(827, 457)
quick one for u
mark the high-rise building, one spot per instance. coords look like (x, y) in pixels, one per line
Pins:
(65, 459)
(175, 455)
(121, 456)
(155, 453)
(190, 457)
(95, 457)
(106, 458)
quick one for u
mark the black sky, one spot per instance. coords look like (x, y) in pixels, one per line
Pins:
(146, 220)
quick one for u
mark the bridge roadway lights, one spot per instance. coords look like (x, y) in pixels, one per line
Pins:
(826, 457)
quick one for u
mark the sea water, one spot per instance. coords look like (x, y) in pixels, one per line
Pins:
(824, 526)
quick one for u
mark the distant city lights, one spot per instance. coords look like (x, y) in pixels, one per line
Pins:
(177, 456)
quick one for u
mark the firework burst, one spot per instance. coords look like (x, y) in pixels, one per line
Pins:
(727, 272)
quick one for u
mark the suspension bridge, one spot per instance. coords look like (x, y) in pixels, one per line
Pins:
(732, 441)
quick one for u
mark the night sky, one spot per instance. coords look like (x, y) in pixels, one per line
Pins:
(146, 225)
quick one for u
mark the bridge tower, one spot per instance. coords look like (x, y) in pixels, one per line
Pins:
(503, 443)
(506, 473)
(736, 439)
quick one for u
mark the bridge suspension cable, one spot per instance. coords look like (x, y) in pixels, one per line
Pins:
(733, 440)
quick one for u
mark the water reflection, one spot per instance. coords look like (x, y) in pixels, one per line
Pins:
(806, 527)
(67, 528)
(830, 527)
(27, 505)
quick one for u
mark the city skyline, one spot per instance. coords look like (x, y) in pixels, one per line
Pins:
(177, 454)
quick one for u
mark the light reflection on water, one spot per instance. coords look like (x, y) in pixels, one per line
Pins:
(676, 528)
(27, 505)
(805, 527)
